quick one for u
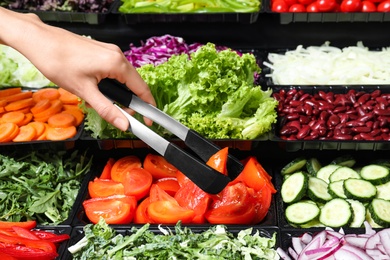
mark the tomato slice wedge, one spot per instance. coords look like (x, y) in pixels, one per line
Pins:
(169, 184)
(137, 182)
(105, 188)
(263, 199)
(141, 213)
(169, 212)
(218, 160)
(106, 173)
(158, 166)
(157, 193)
(123, 165)
(235, 205)
(118, 209)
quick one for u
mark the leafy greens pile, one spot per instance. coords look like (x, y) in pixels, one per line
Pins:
(40, 186)
(211, 91)
(102, 242)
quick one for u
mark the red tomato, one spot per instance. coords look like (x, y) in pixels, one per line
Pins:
(279, 6)
(312, 8)
(159, 167)
(326, 5)
(169, 212)
(104, 188)
(123, 165)
(157, 193)
(368, 6)
(106, 173)
(170, 185)
(141, 213)
(190, 196)
(263, 200)
(218, 160)
(351, 6)
(235, 205)
(181, 178)
(291, 2)
(118, 209)
(297, 8)
(306, 2)
(384, 6)
(137, 182)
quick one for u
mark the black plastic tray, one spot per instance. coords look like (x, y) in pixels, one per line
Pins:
(80, 219)
(244, 18)
(329, 144)
(78, 233)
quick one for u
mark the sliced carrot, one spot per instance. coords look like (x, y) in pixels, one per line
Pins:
(39, 127)
(2, 109)
(43, 136)
(6, 131)
(26, 133)
(9, 91)
(77, 114)
(61, 120)
(41, 105)
(46, 93)
(67, 97)
(24, 110)
(27, 119)
(3, 102)
(13, 117)
(20, 104)
(18, 96)
(55, 107)
(60, 133)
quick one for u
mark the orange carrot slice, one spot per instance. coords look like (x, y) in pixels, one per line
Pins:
(67, 97)
(3, 102)
(60, 133)
(41, 105)
(39, 127)
(61, 120)
(9, 91)
(26, 133)
(55, 107)
(6, 131)
(46, 93)
(18, 96)
(77, 114)
(43, 136)
(20, 104)
(13, 117)
(27, 119)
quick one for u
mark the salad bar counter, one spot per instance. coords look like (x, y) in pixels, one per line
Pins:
(303, 104)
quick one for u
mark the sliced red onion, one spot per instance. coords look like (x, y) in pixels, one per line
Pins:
(373, 241)
(357, 241)
(292, 253)
(283, 255)
(306, 238)
(384, 235)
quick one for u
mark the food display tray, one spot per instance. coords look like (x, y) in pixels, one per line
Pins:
(134, 18)
(80, 219)
(295, 145)
(77, 233)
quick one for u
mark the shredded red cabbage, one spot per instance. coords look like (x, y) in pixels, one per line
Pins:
(159, 49)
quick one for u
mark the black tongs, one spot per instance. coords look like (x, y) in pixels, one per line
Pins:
(208, 179)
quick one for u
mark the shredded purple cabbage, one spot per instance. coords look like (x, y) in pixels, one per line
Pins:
(159, 49)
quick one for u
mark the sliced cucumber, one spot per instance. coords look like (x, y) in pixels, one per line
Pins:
(371, 221)
(359, 213)
(336, 189)
(294, 187)
(302, 212)
(294, 166)
(383, 191)
(345, 160)
(359, 189)
(326, 171)
(376, 174)
(336, 213)
(314, 223)
(317, 190)
(380, 212)
(343, 173)
(313, 166)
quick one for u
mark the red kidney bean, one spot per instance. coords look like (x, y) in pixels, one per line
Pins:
(295, 103)
(304, 119)
(375, 125)
(351, 111)
(292, 116)
(319, 124)
(385, 130)
(366, 117)
(291, 138)
(312, 123)
(366, 136)
(295, 124)
(378, 138)
(339, 126)
(322, 131)
(345, 131)
(304, 97)
(333, 120)
(344, 118)
(382, 121)
(363, 98)
(339, 109)
(308, 109)
(375, 132)
(325, 107)
(316, 112)
(353, 116)
(288, 130)
(382, 101)
(291, 92)
(385, 137)
(322, 94)
(357, 137)
(311, 102)
(360, 111)
(324, 115)
(352, 98)
(382, 112)
(303, 132)
(342, 137)
(370, 124)
(354, 123)
(322, 103)
(361, 129)
(376, 93)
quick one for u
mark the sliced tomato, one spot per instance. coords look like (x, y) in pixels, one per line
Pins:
(219, 160)
(104, 188)
(118, 209)
(137, 182)
(235, 205)
(159, 167)
(106, 173)
(169, 212)
(141, 213)
(181, 178)
(263, 199)
(255, 176)
(123, 165)
(157, 193)
(170, 185)
(190, 196)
